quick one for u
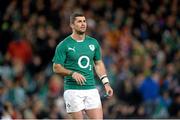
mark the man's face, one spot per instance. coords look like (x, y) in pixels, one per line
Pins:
(79, 25)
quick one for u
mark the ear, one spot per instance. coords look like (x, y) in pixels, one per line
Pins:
(71, 25)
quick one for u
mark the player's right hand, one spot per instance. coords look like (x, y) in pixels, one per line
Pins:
(80, 79)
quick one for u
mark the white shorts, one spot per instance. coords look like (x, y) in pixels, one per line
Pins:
(77, 100)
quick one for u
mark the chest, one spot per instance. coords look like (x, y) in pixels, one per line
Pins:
(76, 51)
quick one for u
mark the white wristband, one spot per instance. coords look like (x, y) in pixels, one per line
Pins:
(105, 80)
(103, 76)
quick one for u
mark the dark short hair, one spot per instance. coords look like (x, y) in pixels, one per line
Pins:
(74, 15)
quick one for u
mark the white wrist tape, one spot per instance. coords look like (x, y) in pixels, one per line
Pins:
(104, 79)
(103, 76)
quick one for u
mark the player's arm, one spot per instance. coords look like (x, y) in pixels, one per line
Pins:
(59, 69)
(101, 72)
(100, 68)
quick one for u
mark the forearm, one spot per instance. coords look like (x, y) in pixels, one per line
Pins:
(59, 69)
(100, 69)
(101, 72)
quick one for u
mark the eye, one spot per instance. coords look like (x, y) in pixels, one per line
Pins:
(79, 21)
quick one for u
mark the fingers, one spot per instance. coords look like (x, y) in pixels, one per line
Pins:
(109, 91)
(80, 79)
(109, 94)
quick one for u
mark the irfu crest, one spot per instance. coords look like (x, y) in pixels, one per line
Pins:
(91, 47)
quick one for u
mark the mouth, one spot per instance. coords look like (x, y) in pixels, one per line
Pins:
(83, 28)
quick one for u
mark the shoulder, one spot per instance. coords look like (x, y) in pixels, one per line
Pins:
(90, 38)
(64, 42)
(94, 40)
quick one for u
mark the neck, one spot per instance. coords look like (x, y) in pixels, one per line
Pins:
(78, 36)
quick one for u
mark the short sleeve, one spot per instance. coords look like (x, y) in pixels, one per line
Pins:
(97, 55)
(60, 54)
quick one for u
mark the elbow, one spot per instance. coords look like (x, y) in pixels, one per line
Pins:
(58, 69)
(55, 68)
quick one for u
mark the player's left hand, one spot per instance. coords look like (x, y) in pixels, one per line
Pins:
(108, 90)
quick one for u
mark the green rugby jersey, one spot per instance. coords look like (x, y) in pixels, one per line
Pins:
(78, 56)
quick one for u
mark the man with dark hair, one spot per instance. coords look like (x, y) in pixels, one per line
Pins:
(75, 58)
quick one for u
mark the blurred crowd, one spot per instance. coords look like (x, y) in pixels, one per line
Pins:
(140, 42)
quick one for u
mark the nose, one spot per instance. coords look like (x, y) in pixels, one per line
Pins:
(83, 23)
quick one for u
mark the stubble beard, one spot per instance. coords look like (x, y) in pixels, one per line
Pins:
(80, 32)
